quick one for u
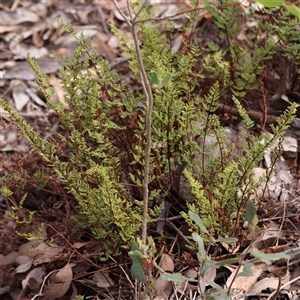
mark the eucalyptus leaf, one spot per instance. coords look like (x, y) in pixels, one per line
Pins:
(198, 239)
(176, 277)
(250, 211)
(137, 270)
(154, 79)
(198, 221)
(247, 270)
(166, 80)
(268, 258)
(226, 262)
(294, 10)
(271, 3)
(227, 240)
(217, 293)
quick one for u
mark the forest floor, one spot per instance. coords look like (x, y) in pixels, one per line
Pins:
(30, 26)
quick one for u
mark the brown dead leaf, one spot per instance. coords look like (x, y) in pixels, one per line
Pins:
(244, 283)
(21, 98)
(4, 28)
(37, 274)
(40, 9)
(162, 289)
(108, 5)
(24, 262)
(103, 49)
(60, 284)
(177, 42)
(271, 282)
(271, 235)
(20, 15)
(265, 283)
(59, 91)
(10, 141)
(103, 280)
(207, 15)
(41, 252)
(277, 271)
(113, 42)
(4, 289)
(166, 263)
(20, 51)
(23, 70)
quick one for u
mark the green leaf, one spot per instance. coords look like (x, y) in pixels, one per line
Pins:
(227, 240)
(247, 271)
(251, 216)
(154, 79)
(217, 293)
(148, 10)
(268, 258)
(166, 80)
(176, 277)
(137, 270)
(250, 211)
(253, 226)
(224, 262)
(207, 266)
(198, 239)
(294, 10)
(271, 3)
(198, 221)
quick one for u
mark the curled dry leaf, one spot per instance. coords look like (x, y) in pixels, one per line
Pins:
(24, 262)
(37, 274)
(103, 280)
(45, 253)
(270, 236)
(264, 284)
(60, 284)
(74, 292)
(41, 252)
(271, 282)
(278, 271)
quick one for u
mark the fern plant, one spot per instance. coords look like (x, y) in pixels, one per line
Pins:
(103, 127)
(92, 172)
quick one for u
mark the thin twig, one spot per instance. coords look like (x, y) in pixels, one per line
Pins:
(281, 288)
(282, 223)
(139, 11)
(43, 283)
(127, 276)
(169, 219)
(149, 106)
(251, 295)
(121, 13)
(187, 12)
(180, 233)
